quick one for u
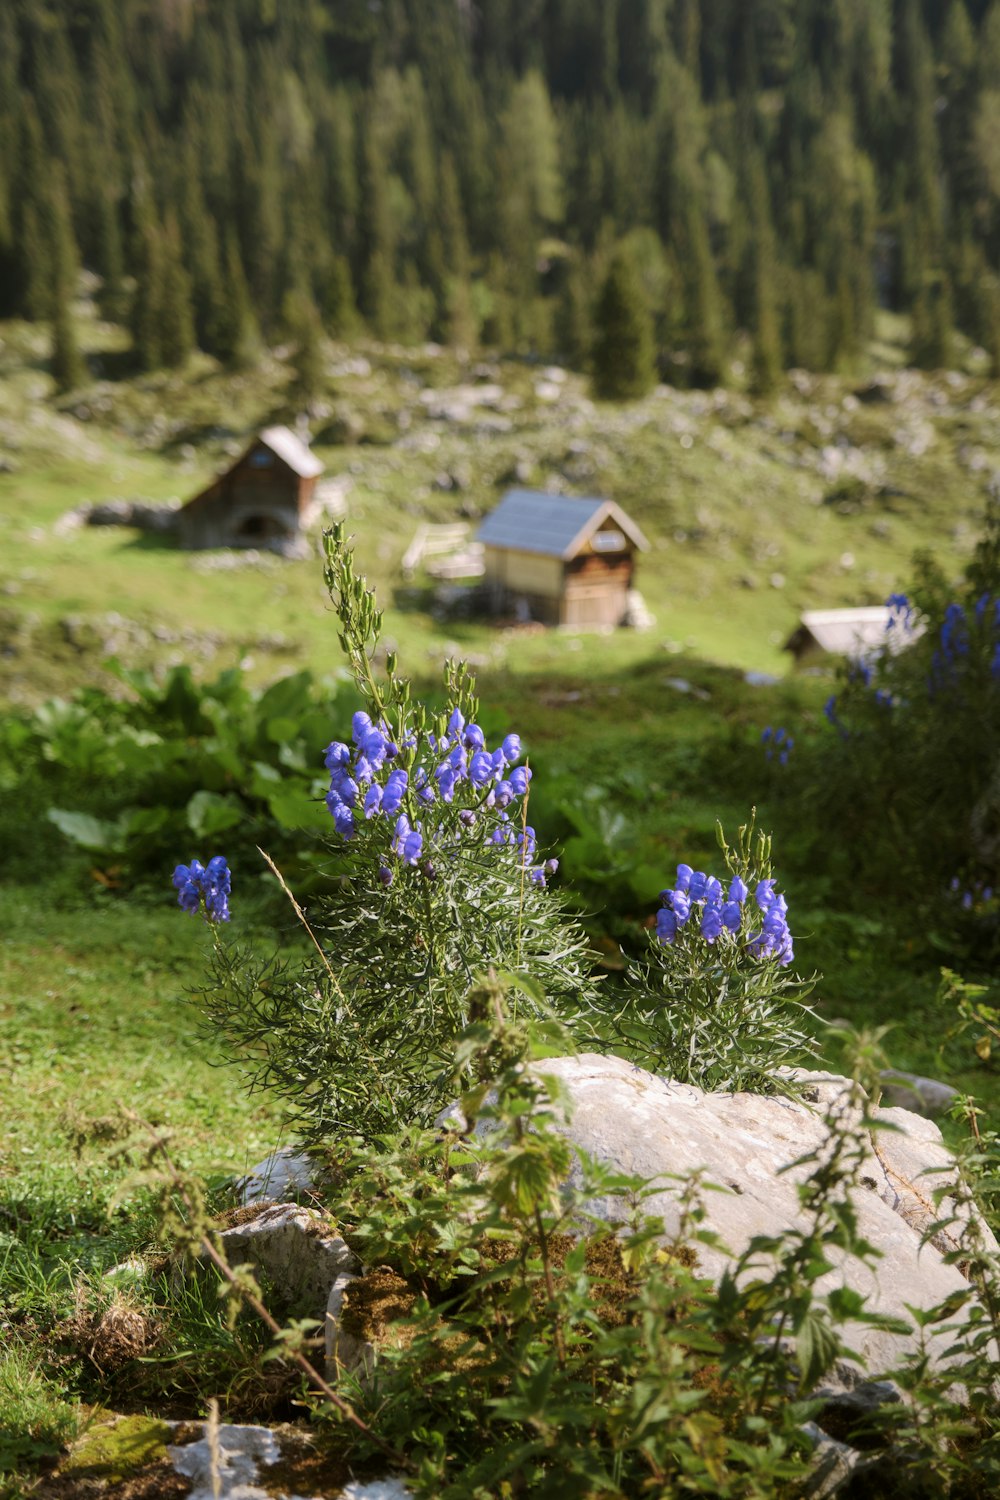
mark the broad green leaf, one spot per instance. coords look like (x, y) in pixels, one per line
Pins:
(87, 831)
(209, 813)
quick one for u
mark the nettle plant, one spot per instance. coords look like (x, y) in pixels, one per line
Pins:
(713, 1004)
(439, 881)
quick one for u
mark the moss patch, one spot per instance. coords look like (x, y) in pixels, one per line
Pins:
(119, 1447)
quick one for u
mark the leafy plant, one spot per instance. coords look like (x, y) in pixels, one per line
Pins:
(436, 880)
(712, 1004)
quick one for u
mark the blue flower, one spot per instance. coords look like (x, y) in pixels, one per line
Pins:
(711, 923)
(474, 739)
(680, 905)
(337, 755)
(511, 748)
(519, 778)
(210, 884)
(737, 890)
(394, 791)
(361, 725)
(481, 768)
(666, 925)
(684, 873)
(732, 915)
(697, 884)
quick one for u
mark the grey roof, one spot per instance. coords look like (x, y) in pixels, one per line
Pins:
(854, 633)
(292, 451)
(556, 525)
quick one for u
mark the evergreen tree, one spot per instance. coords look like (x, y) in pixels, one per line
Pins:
(703, 300)
(175, 313)
(340, 314)
(233, 336)
(303, 322)
(623, 335)
(68, 368)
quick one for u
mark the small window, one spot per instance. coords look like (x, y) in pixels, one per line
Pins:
(608, 541)
(261, 459)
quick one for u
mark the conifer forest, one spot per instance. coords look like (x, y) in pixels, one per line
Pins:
(237, 170)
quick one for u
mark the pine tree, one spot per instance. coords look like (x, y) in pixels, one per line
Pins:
(68, 368)
(175, 311)
(623, 341)
(340, 314)
(703, 300)
(303, 322)
(233, 336)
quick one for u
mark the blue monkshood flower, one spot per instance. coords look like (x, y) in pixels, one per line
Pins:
(684, 874)
(474, 738)
(196, 883)
(732, 915)
(765, 734)
(982, 605)
(503, 794)
(519, 778)
(967, 901)
(987, 893)
(737, 890)
(830, 708)
(394, 791)
(696, 887)
(456, 724)
(713, 890)
(764, 894)
(711, 923)
(666, 925)
(481, 768)
(680, 905)
(361, 725)
(373, 800)
(467, 817)
(385, 875)
(511, 748)
(338, 755)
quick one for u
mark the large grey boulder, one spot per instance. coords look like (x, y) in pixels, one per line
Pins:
(743, 1147)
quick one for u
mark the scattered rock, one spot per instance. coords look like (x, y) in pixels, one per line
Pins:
(920, 1096)
(298, 1251)
(278, 1176)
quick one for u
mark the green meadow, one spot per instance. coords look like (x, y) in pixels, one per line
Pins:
(640, 741)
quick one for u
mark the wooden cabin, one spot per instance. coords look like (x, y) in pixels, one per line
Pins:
(859, 634)
(266, 499)
(560, 560)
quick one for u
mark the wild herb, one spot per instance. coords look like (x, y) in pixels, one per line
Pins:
(436, 878)
(712, 1004)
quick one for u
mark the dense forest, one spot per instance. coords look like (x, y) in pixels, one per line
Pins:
(514, 171)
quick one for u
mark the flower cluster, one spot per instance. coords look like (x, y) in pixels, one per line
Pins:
(975, 898)
(777, 742)
(700, 898)
(902, 616)
(204, 887)
(365, 783)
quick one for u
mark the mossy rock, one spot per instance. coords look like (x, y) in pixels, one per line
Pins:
(117, 1447)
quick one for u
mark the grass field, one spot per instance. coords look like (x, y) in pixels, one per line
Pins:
(754, 511)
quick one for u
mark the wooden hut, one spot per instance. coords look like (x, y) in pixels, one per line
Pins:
(560, 560)
(858, 634)
(265, 499)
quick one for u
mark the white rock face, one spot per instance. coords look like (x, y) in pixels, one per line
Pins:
(343, 1350)
(297, 1250)
(226, 1465)
(277, 1177)
(742, 1144)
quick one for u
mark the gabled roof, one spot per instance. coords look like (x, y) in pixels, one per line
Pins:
(292, 451)
(849, 632)
(556, 525)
